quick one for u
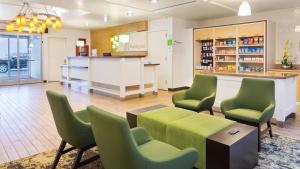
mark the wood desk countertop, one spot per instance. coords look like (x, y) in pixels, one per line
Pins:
(285, 70)
(267, 75)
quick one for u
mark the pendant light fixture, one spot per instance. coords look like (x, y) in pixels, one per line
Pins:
(245, 9)
(32, 22)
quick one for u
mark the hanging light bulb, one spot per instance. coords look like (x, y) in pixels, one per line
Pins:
(23, 20)
(18, 20)
(39, 29)
(43, 30)
(58, 22)
(245, 9)
(12, 27)
(30, 30)
(49, 20)
(32, 27)
(20, 28)
(35, 19)
(43, 24)
(9, 27)
(31, 23)
(54, 26)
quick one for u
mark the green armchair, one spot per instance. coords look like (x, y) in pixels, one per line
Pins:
(201, 96)
(122, 148)
(73, 127)
(253, 105)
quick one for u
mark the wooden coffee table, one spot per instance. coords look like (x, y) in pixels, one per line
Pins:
(223, 150)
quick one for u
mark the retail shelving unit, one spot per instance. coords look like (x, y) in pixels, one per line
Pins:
(236, 48)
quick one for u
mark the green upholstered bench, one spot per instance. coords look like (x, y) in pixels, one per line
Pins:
(156, 121)
(181, 128)
(193, 131)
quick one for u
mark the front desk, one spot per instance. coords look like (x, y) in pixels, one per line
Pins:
(120, 76)
(285, 90)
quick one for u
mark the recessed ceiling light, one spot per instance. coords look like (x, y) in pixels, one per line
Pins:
(87, 24)
(154, 1)
(297, 28)
(245, 9)
(79, 3)
(129, 13)
(105, 18)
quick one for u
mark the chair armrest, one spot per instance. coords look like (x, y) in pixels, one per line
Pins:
(83, 116)
(207, 102)
(186, 158)
(268, 113)
(228, 104)
(178, 96)
(140, 135)
(83, 129)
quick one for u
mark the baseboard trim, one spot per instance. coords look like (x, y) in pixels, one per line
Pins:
(178, 88)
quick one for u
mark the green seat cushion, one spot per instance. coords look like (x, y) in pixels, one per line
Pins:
(156, 150)
(248, 115)
(192, 131)
(156, 121)
(188, 104)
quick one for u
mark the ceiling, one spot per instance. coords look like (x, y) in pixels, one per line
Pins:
(89, 14)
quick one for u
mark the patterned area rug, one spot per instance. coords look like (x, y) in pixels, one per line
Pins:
(277, 153)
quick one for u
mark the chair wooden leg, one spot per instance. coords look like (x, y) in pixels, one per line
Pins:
(211, 111)
(270, 129)
(77, 159)
(58, 154)
(259, 135)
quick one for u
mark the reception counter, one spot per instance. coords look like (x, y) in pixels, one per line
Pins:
(120, 76)
(285, 90)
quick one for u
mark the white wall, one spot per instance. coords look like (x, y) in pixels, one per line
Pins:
(180, 54)
(285, 21)
(71, 35)
(162, 24)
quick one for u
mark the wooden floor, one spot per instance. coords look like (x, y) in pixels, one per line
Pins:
(27, 126)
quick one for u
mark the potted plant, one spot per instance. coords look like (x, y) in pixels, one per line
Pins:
(285, 63)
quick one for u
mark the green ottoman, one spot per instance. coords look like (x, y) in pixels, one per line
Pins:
(192, 131)
(156, 121)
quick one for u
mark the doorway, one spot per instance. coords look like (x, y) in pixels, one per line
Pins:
(20, 58)
(158, 53)
(57, 52)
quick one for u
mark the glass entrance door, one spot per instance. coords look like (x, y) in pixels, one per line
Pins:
(20, 59)
(8, 59)
(30, 58)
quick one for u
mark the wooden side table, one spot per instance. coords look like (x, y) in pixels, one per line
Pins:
(233, 151)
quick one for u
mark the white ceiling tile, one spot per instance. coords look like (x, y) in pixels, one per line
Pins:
(76, 13)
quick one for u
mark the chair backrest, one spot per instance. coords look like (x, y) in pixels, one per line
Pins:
(203, 86)
(65, 120)
(256, 94)
(115, 142)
